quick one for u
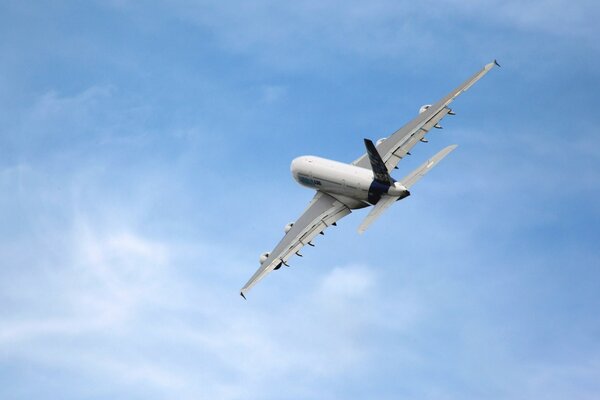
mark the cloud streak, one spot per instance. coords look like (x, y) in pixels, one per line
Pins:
(142, 177)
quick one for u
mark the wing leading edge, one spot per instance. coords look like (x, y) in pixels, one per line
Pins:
(395, 147)
(322, 212)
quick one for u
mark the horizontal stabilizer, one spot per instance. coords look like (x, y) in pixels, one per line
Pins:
(376, 212)
(420, 172)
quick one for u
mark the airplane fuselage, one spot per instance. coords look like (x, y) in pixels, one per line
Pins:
(354, 186)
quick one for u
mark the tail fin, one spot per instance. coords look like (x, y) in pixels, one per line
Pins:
(380, 172)
(420, 172)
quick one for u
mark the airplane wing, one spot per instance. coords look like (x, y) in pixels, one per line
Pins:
(323, 211)
(395, 147)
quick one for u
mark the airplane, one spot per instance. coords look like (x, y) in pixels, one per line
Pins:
(365, 182)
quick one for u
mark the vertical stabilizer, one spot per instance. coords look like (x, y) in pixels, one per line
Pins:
(380, 172)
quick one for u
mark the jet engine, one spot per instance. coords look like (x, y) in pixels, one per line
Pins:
(288, 227)
(263, 257)
(424, 108)
(379, 141)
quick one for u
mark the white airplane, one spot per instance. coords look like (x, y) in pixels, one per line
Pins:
(344, 187)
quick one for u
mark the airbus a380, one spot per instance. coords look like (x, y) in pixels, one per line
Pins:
(365, 182)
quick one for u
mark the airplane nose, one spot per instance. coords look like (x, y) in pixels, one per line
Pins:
(300, 162)
(301, 165)
(295, 165)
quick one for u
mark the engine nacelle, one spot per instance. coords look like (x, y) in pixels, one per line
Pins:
(380, 141)
(263, 257)
(288, 227)
(424, 108)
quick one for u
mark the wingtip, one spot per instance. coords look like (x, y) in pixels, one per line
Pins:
(491, 65)
(242, 294)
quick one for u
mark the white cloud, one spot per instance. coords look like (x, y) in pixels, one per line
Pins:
(99, 282)
(347, 283)
(111, 302)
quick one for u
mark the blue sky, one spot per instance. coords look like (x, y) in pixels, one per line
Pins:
(144, 166)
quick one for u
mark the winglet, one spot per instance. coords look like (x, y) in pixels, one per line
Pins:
(242, 294)
(487, 68)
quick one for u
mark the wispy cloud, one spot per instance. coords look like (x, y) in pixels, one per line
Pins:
(144, 167)
(119, 285)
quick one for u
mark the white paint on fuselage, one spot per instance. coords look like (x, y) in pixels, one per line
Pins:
(348, 183)
(333, 177)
